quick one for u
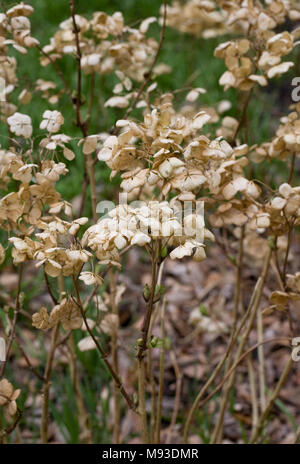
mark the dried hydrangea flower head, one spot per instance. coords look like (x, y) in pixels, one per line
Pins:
(36, 189)
(197, 17)
(286, 141)
(54, 249)
(284, 209)
(127, 226)
(15, 32)
(8, 397)
(258, 56)
(106, 43)
(280, 300)
(15, 26)
(165, 151)
(20, 124)
(211, 18)
(66, 312)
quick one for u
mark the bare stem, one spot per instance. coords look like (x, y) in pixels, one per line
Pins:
(177, 396)
(46, 387)
(291, 173)
(142, 399)
(115, 360)
(236, 364)
(271, 401)
(261, 360)
(49, 364)
(89, 173)
(161, 372)
(147, 75)
(102, 352)
(197, 402)
(9, 430)
(54, 299)
(254, 402)
(297, 436)
(84, 420)
(28, 362)
(256, 300)
(14, 322)
(147, 319)
(237, 291)
(289, 241)
(58, 70)
(142, 346)
(244, 113)
(149, 364)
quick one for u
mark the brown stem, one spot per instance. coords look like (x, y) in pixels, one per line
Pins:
(91, 100)
(271, 401)
(237, 291)
(8, 431)
(14, 322)
(290, 225)
(239, 267)
(55, 301)
(48, 369)
(254, 402)
(89, 173)
(289, 241)
(257, 297)
(92, 179)
(235, 365)
(161, 373)
(142, 348)
(29, 364)
(149, 364)
(115, 360)
(291, 173)
(244, 113)
(243, 120)
(147, 75)
(177, 396)
(142, 399)
(277, 266)
(58, 70)
(102, 352)
(147, 318)
(153, 398)
(297, 436)
(64, 339)
(46, 387)
(197, 402)
(84, 420)
(78, 100)
(261, 360)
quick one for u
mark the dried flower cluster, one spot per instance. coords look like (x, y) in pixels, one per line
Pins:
(140, 226)
(66, 312)
(167, 152)
(105, 42)
(197, 17)
(209, 18)
(107, 46)
(287, 139)
(8, 397)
